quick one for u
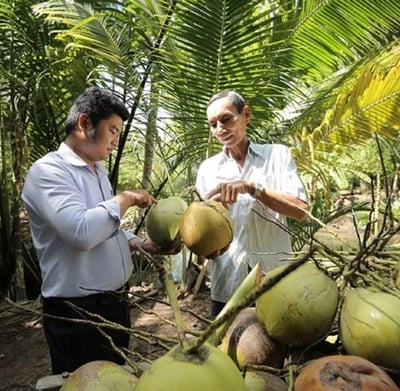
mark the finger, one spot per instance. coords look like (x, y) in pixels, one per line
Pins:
(215, 192)
(211, 195)
(146, 202)
(216, 197)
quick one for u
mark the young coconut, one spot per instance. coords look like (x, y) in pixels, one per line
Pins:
(247, 342)
(206, 369)
(100, 376)
(206, 227)
(163, 221)
(264, 381)
(340, 372)
(301, 307)
(370, 326)
(397, 275)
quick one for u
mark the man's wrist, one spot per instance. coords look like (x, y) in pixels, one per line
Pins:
(138, 243)
(142, 242)
(258, 189)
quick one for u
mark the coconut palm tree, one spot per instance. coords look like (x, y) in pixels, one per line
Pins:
(35, 80)
(319, 75)
(294, 61)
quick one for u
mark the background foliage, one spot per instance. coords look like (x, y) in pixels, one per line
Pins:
(320, 76)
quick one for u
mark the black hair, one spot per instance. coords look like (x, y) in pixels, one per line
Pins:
(97, 104)
(235, 98)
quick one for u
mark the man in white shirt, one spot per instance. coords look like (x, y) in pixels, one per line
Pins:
(75, 224)
(259, 185)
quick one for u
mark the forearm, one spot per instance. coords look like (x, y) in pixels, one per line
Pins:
(284, 203)
(125, 201)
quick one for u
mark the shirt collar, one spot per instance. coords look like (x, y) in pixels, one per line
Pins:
(74, 159)
(253, 149)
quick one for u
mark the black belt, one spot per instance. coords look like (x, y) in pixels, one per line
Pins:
(103, 298)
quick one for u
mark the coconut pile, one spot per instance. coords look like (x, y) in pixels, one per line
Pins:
(329, 320)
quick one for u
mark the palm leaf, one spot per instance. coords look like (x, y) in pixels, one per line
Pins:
(367, 107)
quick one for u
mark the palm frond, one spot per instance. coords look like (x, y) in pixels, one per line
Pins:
(367, 107)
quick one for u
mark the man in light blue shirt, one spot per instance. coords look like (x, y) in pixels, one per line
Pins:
(75, 224)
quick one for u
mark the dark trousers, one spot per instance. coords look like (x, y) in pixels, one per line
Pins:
(73, 344)
(216, 308)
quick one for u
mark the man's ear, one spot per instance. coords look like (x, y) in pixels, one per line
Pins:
(247, 113)
(83, 122)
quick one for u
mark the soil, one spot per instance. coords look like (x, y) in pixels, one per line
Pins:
(24, 356)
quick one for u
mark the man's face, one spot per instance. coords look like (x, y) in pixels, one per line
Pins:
(106, 137)
(227, 125)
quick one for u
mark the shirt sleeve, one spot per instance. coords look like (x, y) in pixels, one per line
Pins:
(201, 181)
(54, 197)
(294, 184)
(129, 235)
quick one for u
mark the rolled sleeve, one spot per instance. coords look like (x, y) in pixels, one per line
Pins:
(113, 209)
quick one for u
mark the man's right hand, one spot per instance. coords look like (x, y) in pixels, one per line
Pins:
(151, 247)
(139, 198)
(217, 253)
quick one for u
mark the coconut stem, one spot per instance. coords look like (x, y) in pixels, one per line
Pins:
(333, 233)
(173, 300)
(251, 281)
(243, 302)
(291, 377)
(166, 278)
(193, 190)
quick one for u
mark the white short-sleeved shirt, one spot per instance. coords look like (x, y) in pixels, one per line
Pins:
(75, 226)
(256, 239)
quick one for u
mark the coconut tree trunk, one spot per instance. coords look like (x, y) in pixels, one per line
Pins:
(151, 134)
(19, 159)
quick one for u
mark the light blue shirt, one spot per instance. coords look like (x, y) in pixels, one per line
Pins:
(258, 234)
(75, 226)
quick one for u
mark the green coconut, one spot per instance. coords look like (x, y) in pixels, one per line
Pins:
(370, 326)
(100, 376)
(247, 342)
(397, 275)
(301, 307)
(206, 227)
(208, 369)
(163, 221)
(263, 381)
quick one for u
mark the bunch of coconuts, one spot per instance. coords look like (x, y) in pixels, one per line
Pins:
(205, 227)
(299, 310)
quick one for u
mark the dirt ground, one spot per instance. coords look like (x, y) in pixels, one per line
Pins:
(23, 350)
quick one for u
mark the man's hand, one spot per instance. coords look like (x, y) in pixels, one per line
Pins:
(151, 247)
(141, 198)
(128, 198)
(215, 254)
(227, 193)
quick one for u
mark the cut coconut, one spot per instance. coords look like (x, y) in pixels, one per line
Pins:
(163, 221)
(206, 227)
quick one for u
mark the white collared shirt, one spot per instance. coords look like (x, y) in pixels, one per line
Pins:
(256, 239)
(75, 226)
